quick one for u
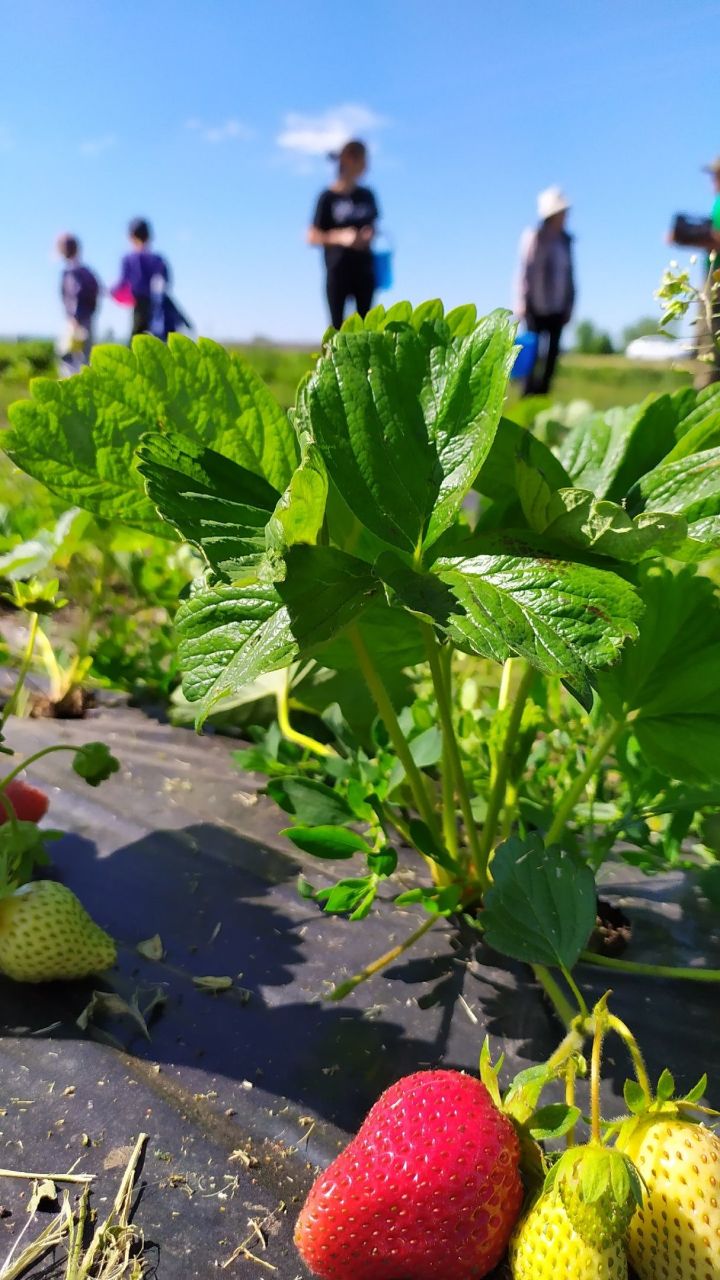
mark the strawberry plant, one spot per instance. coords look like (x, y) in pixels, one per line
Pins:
(447, 1171)
(395, 521)
(45, 933)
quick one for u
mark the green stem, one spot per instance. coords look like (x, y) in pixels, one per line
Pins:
(556, 996)
(651, 970)
(626, 1035)
(576, 788)
(502, 766)
(576, 992)
(12, 701)
(451, 745)
(512, 796)
(293, 735)
(343, 989)
(570, 1079)
(439, 875)
(46, 751)
(47, 653)
(506, 682)
(511, 790)
(571, 1045)
(11, 818)
(449, 820)
(595, 1078)
(384, 705)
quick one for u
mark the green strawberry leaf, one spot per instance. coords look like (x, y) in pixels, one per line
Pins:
(698, 1091)
(22, 850)
(230, 635)
(304, 888)
(490, 1073)
(437, 902)
(668, 678)
(609, 451)
(553, 1121)
(522, 1097)
(36, 596)
(498, 475)
(404, 416)
(95, 763)
(383, 864)
(578, 519)
(349, 897)
(635, 1097)
(212, 501)
(424, 840)
(689, 487)
(312, 802)
(79, 436)
(665, 1086)
(327, 841)
(25, 559)
(541, 906)
(594, 1176)
(565, 619)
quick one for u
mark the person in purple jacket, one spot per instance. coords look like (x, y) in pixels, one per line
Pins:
(143, 274)
(80, 291)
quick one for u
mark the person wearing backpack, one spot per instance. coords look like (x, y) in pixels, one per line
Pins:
(80, 291)
(546, 285)
(143, 284)
(344, 226)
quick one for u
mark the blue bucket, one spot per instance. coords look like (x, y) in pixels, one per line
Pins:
(526, 356)
(383, 264)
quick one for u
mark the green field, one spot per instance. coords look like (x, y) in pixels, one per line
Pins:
(602, 380)
(611, 380)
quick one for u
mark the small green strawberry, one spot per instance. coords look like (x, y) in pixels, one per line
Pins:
(546, 1246)
(47, 935)
(600, 1191)
(676, 1233)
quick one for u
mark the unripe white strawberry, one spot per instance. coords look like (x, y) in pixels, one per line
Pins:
(546, 1246)
(47, 935)
(676, 1233)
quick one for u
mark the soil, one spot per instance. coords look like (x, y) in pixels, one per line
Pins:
(613, 930)
(74, 705)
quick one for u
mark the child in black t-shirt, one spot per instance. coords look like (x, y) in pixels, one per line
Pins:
(344, 225)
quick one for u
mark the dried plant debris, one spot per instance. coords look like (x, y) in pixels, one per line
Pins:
(115, 1250)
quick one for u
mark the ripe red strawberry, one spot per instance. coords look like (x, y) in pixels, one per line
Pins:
(429, 1188)
(30, 803)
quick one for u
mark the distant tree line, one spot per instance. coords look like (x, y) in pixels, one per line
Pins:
(593, 341)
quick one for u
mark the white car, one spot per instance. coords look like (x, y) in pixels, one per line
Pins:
(656, 347)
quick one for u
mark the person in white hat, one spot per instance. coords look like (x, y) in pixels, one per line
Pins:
(546, 284)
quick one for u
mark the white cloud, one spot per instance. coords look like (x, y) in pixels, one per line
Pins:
(316, 135)
(227, 131)
(96, 146)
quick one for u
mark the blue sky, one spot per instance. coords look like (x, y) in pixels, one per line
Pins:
(212, 119)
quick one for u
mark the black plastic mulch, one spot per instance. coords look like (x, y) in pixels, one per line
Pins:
(244, 1093)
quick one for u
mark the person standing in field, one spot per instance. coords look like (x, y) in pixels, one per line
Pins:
(344, 226)
(144, 277)
(546, 285)
(708, 329)
(79, 290)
